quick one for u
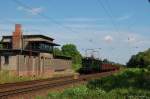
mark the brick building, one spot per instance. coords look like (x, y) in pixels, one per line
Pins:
(31, 55)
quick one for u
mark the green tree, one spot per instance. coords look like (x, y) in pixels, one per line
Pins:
(57, 52)
(141, 60)
(71, 50)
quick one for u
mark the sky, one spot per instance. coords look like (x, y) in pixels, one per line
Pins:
(115, 29)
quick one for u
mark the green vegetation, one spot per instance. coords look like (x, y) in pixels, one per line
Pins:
(130, 78)
(57, 52)
(128, 84)
(70, 50)
(141, 60)
(6, 77)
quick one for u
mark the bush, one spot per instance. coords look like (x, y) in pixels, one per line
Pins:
(84, 92)
(148, 68)
(80, 92)
(136, 78)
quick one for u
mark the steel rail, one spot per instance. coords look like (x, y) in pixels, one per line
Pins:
(50, 84)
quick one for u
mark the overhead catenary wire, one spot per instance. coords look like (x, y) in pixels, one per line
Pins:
(129, 27)
(108, 12)
(45, 16)
(110, 16)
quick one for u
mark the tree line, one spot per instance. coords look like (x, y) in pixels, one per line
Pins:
(140, 60)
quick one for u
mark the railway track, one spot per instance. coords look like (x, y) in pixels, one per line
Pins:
(7, 86)
(23, 87)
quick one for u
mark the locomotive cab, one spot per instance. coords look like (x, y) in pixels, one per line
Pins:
(90, 65)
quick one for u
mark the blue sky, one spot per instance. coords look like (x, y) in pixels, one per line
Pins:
(119, 27)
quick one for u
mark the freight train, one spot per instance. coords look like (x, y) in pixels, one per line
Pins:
(93, 65)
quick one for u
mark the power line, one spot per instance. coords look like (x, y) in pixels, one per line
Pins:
(111, 11)
(109, 15)
(44, 16)
(128, 27)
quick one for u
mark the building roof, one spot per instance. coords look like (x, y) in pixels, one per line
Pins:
(31, 36)
(53, 44)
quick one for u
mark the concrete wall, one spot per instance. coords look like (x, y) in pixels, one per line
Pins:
(61, 64)
(25, 66)
(42, 65)
(12, 63)
(12, 66)
(51, 65)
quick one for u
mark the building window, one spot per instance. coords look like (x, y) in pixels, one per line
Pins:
(6, 59)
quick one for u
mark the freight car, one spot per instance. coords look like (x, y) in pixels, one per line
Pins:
(108, 67)
(93, 65)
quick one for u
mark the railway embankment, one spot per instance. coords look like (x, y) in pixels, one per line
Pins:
(31, 87)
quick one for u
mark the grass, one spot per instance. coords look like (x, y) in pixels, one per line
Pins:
(6, 77)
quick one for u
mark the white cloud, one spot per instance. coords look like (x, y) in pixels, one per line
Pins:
(125, 17)
(108, 38)
(32, 11)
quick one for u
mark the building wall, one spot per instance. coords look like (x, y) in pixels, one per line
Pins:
(42, 65)
(45, 64)
(12, 66)
(49, 65)
(61, 64)
(25, 65)
(21, 65)
(55, 65)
